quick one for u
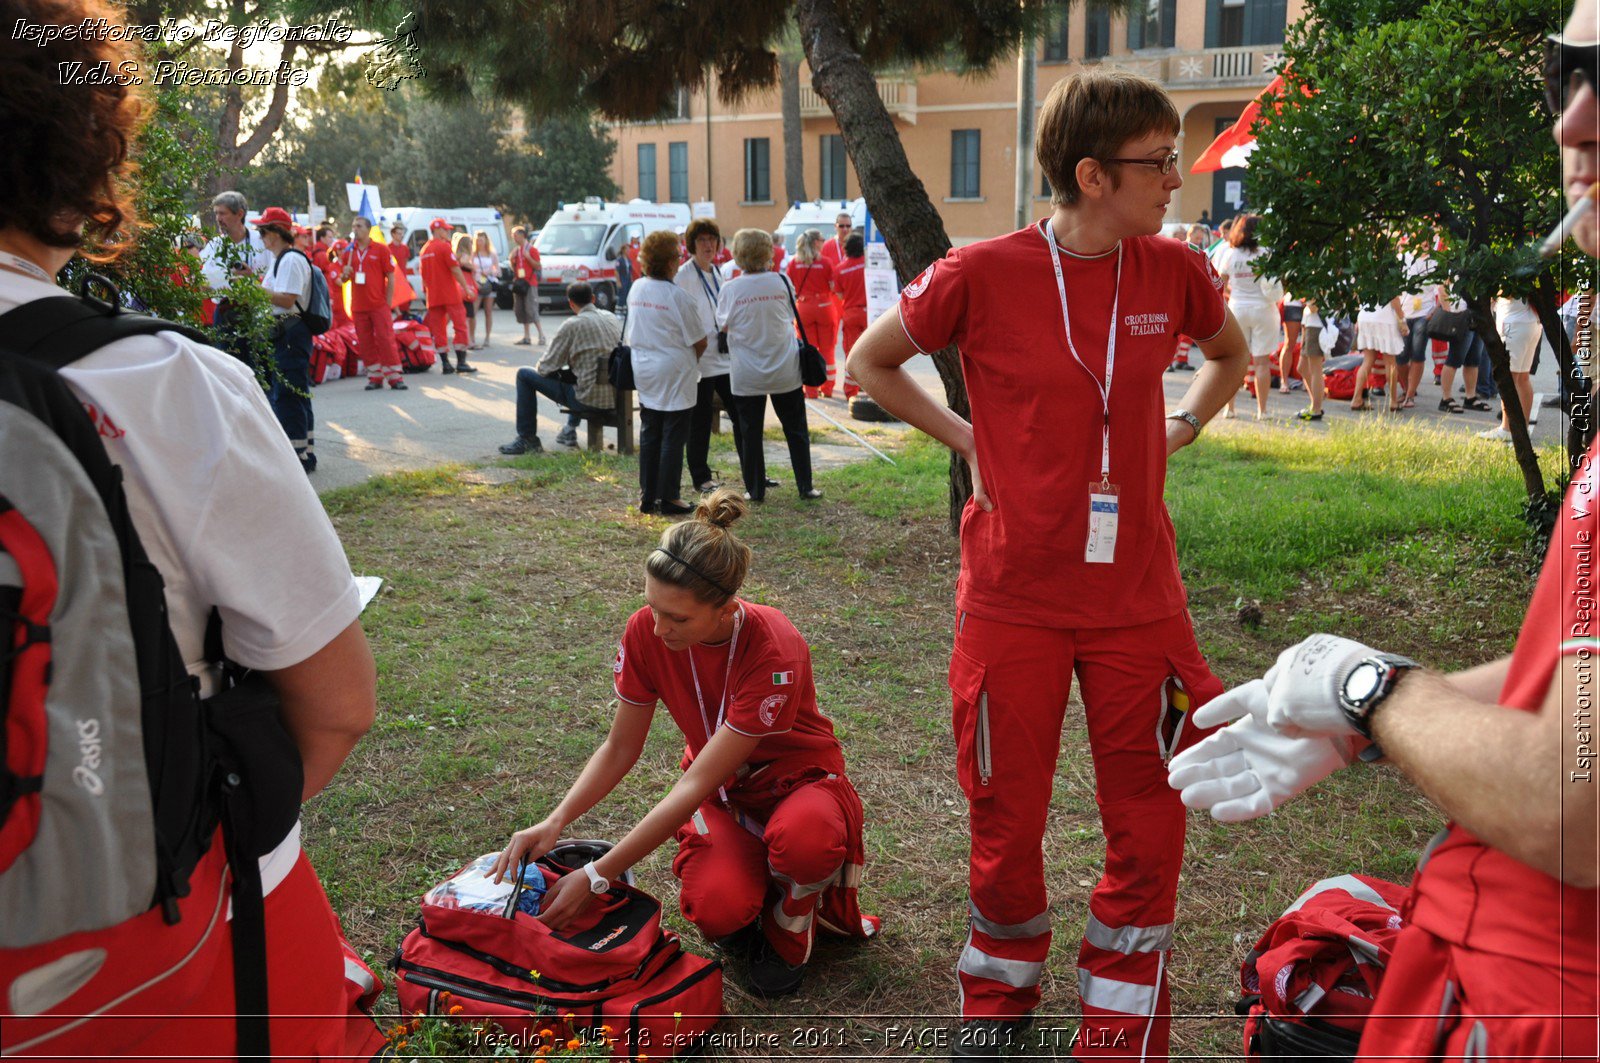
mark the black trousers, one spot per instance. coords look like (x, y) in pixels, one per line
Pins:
(790, 407)
(700, 428)
(661, 440)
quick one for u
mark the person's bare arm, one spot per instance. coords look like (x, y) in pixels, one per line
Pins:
(1523, 782)
(1482, 682)
(878, 364)
(1227, 358)
(329, 702)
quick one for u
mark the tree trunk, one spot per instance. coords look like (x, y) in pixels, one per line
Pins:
(794, 164)
(1516, 417)
(1580, 427)
(899, 204)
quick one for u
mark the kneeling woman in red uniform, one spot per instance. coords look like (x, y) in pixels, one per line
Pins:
(769, 830)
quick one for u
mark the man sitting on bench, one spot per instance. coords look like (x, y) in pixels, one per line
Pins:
(572, 373)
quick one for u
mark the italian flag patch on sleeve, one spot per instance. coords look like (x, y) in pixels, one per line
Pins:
(782, 679)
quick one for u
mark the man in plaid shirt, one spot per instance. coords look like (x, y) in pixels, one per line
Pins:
(572, 373)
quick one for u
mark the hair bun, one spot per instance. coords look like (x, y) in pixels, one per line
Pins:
(722, 508)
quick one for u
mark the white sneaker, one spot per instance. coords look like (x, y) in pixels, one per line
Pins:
(1496, 433)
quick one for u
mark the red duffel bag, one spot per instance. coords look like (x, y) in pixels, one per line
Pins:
(327, 359)
(616, 976)
(417, 353)
(1310, 982)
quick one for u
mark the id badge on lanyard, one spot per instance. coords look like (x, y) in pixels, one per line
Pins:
(1100, 544)
(361, 274)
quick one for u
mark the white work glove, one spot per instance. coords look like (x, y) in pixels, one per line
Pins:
(1303, 688)
(1247, 769)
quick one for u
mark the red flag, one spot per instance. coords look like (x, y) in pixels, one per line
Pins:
(1234, 144)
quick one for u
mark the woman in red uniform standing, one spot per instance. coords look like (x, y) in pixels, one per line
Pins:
(811, 276)
(850, 281)
(769, 829)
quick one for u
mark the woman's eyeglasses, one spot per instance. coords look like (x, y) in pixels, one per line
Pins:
(1165, 165)
(1567, 68)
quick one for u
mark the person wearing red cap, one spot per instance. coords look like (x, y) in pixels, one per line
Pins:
(370, 270)
(1069, 568)
(442, 284)
(288, 280)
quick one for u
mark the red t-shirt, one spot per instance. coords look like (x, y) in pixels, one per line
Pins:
(401, 253)
(438, 282)
(832, 253)
(374, 266)
(850, 277)
(770, 692)
(525, 264)
(811, 283)
(1478, 897)
(1037, 419)
(777, 256)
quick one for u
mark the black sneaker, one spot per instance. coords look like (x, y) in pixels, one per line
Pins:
(398, 385)
(768, 976)
(989, 1038)
(375, 385)
(742, 944)
(522, 445)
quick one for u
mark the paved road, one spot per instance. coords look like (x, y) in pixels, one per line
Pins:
(361, 434)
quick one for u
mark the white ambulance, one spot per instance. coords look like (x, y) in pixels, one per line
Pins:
(820, 214)
(462, 220)
(582, 241)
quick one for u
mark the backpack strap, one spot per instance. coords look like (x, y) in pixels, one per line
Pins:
(58, 330)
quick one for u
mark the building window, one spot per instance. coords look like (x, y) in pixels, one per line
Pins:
(678, 171)
(1055, 36)
(1096, 33)
(679, 108)
(1045, 191)
(964, 164)
(1242, 23)
(647, 172)
(757, 170)
(1154, 27)
(833, 166)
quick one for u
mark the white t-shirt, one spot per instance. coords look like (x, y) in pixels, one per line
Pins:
(1244, 288)
(207, 470)
(257, 257)
(754, 309)
(292, 273)
(1425, 300)
(704, 288)
(663, 326)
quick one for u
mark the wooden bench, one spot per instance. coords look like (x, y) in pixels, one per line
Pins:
(620, 418)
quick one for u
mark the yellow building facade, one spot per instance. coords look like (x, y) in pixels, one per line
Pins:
(960, 132)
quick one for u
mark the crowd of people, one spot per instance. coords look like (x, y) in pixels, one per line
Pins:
(1398, 341)
(1069, 577)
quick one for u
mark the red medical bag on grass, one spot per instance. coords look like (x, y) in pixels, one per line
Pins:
(1310, 981)
(482, 950)
(1339, 376)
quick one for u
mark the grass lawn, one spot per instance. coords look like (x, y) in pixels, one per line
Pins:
(499, 620)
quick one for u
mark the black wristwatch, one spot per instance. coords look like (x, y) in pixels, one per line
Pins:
(1367, 684)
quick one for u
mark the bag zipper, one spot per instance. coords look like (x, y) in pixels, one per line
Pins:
(458, 985)
(511, 970)
(666, 994)
(985, 763)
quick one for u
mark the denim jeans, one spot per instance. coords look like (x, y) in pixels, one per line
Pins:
(530, 385)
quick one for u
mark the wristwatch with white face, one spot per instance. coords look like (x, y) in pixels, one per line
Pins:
(1367, 684)
(597, 884)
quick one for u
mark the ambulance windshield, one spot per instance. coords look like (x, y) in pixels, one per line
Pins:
(571, 239)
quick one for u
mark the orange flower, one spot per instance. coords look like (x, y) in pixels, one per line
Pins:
(456, 1009)
(605, 1029)
(574, 1044)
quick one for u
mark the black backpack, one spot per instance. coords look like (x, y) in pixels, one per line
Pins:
(94, 674)
(318, 317)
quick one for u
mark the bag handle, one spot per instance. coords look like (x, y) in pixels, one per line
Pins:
(790, 289)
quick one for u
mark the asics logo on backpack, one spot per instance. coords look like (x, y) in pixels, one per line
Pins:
(86, 774)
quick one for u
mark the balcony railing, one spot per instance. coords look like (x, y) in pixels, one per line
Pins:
(1212, 67)
(899, 96)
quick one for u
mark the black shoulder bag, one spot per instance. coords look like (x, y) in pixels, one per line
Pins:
(813, 370)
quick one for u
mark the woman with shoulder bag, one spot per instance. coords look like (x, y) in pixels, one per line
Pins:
(755, 311)
(667, 338)
(469, 291)
(811, 277)
(525, 287)
(487, 266)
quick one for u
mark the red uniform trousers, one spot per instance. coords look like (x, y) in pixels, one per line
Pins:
(184, 1009)
(731, 876)
(375, 345)
(821, 324)
(1010, 684)
(854, 323)
(455, 313)
(1446, 1002)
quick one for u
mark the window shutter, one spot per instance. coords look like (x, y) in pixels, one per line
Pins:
(1213, 23)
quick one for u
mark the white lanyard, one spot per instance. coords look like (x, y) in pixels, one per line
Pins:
(1111, 344)
(712, 299)
(727, 677)
(361, 263)
(22, 265)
